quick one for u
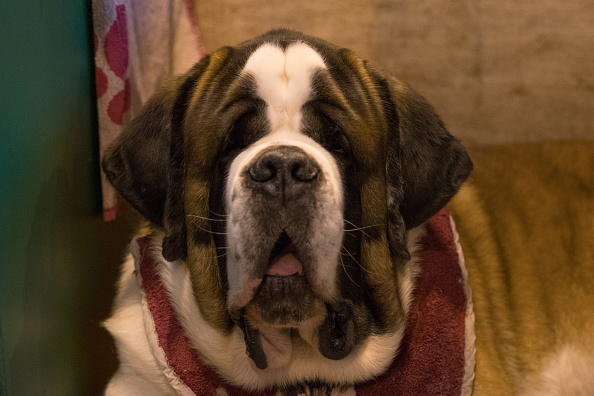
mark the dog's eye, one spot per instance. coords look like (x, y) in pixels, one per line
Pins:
(236, 141)
(337, 149)
(330, 135)
(336, 142)
(240, 135)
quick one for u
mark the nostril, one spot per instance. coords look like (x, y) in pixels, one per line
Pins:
(304, 171)
(263, 171)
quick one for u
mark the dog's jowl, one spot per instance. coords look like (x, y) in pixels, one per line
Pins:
(286, 182)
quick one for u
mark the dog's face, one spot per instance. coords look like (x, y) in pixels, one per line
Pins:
(286, 172)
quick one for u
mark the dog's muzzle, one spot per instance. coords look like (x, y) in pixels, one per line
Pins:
(284, 235)
(282, 182)
(284, 231)
(283, 175)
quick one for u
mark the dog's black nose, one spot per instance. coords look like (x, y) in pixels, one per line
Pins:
(283, 171)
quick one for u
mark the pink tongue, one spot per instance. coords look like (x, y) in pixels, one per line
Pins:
(286, 265)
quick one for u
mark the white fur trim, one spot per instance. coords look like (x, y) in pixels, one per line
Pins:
(470, 336)
(140, 371)
(149, 325)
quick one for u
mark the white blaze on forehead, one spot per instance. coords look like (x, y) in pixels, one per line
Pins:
(283, 80)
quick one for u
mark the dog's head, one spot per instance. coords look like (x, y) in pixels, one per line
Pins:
(286, 172)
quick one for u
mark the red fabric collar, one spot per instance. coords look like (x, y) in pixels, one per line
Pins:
(431, 357)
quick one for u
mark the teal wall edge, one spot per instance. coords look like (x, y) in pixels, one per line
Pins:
(58, 259)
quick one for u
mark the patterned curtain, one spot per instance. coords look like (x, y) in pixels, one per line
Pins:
(138, 45)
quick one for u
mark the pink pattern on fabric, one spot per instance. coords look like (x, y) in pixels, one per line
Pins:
(100, 82)
(195, 26)
(116, 44)
(109, 214)
(138, 45)
(119, 104)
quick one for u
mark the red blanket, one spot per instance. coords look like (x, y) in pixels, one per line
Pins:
(436, 355)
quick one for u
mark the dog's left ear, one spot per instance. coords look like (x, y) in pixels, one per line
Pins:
(426, 165)
(145, 164)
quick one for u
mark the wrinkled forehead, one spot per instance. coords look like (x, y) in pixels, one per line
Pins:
(302, 81)
(288, 88)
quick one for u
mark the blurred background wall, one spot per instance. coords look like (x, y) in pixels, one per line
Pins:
(496, 70)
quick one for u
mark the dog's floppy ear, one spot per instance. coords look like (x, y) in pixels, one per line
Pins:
(145, 164)
(426, 165)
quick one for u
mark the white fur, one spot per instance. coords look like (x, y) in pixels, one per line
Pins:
(409, 272)
(283, 81)
(569, 371)
(140, 371)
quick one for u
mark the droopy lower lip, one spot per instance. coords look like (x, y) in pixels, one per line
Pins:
(247, 293)
(283, 262)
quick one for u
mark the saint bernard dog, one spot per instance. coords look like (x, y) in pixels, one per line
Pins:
(285, 180)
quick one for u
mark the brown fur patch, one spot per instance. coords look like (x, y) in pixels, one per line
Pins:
(367, 125)
(202, 256)
(526, 222)
(203, 131)
(375, 255)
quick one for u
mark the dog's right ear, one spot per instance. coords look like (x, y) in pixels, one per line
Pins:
(145, 164)
(136, 163)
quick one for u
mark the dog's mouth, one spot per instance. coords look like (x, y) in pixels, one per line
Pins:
(284, 259)
(284, 300)
(280, 300)
(284, 297)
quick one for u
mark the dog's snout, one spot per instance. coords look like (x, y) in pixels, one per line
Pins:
(283, 170)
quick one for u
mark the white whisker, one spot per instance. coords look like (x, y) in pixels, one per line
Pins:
(355, 260)
(347, 273)
(362, 228)
(218, 214)
(222, 255)
(210, 231)
(204, 218)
